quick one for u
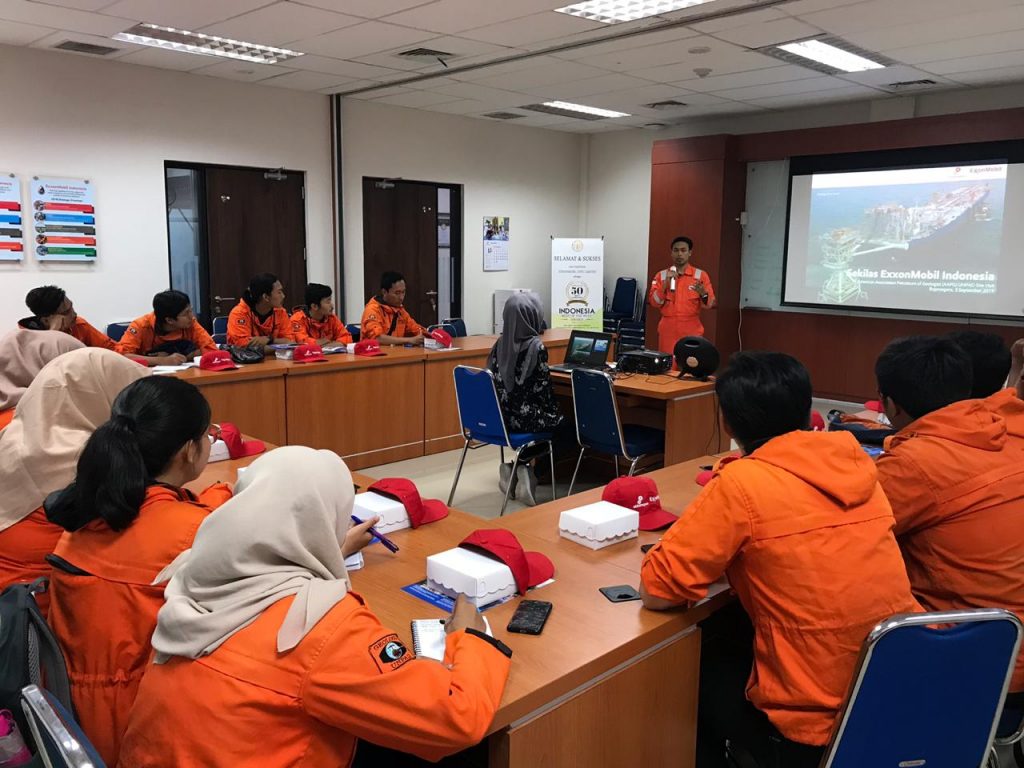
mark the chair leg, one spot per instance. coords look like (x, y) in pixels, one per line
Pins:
(632, 466)
(551, 455)
(502, 449)
(616, 465)
(458, 472)
(512, 479)
(572, 483)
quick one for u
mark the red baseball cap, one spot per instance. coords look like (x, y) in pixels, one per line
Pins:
(308, 353)
(368, 348)
(639, 493)
(216, 360)
(704, 476)
(237, 447)
(528, 568)
(441, 336)
(420, 511)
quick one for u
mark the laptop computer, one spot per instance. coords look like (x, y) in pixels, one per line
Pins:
(587, 349)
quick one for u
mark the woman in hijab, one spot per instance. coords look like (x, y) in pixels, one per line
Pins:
(264, 655)
(519, 363)
(23, 353)
(62, 407)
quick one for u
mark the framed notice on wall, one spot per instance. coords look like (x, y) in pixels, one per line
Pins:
(496, 238)
(64, 214)
(577, 283)
(12, 219)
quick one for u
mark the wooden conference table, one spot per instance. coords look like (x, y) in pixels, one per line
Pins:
(376, 410)
(607, 684)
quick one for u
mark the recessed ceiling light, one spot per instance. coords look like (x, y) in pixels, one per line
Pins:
(183, 41)
(614, 11)
(831, 56)
(596, 111)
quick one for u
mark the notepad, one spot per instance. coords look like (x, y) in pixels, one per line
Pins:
(429, 637)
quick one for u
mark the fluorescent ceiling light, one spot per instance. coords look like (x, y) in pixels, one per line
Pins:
(614, 11)
(184, 41)
(831, 56)
(596, 111)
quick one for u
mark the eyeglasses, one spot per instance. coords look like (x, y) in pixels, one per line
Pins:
(213, 432)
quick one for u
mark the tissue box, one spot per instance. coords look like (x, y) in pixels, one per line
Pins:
(391, 512)
(219, 452)
(599, 525)
(480, 578)
(284, 354)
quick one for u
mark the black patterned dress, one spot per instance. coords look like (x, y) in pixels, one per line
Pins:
(531, 406)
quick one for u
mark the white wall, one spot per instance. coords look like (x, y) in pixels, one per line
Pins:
(116, 124)
(528, 174)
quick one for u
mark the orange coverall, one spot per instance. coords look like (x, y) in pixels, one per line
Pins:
(679, 308)
(306, 330)
(956, 483)
(350, 678)
(104, 619)
(378, 317)
(89, 336)
(244, 325)
(141, 337)
(6, 417)
(805, 535)
(23, 550)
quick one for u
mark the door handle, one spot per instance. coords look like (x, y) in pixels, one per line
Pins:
(431, 293)
(224, 298)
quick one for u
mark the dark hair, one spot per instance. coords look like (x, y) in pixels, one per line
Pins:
(45, 300)
(681, 239)
(260, 285)
(315, 293)
(150, 420)
(169, 304)
(764, 395)
(923, 373)
(389, 278)
(990, 359)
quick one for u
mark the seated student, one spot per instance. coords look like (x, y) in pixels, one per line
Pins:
(169, 335)
(519, 362)
(62, 406)
(23, 354)
(259, 318)
(994, 378)
(317, 323)
(266, 657)
(805, 534)
(1015, 379)
(386, 320)
(956, 482)
(52, 310)
(127, 516)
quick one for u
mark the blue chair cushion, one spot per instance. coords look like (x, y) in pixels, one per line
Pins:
(642, 440)
(519, 439)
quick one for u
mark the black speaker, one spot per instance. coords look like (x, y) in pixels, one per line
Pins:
(696, 357)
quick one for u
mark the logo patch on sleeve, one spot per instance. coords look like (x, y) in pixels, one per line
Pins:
(132, 331)
(389, 653)
(240, 321)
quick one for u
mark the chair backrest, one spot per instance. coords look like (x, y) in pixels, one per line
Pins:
(624, 298)
(353, 328)
(458, 324)
(446, 327)
(59, 740)
(597, 414)
(479, 407)
(925, 696)
(220, 324)
(116, 330)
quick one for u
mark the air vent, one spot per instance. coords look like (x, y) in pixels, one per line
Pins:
(669, 104)
(503, 115)
(910, 85)
(426, 54)
(560, 112)
(93, 50)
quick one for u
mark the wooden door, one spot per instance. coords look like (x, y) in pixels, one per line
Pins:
(400, 233)
(256, 222)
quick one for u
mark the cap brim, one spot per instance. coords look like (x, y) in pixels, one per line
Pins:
(312, 360)
(433, 510)
(704, 477)
(252, 447)
(541, 568)
(656, 519)
(371, 354)
(220, 367)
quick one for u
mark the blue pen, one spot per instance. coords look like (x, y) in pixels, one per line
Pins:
(388, 543)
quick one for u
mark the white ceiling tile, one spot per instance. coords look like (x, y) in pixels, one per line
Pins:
(631, 99)
(307, 81)
(81, 5)
(954, 67)
(489, 95)
(771, 74)
(850, 93)
(377, 93)
(361, 40)
(55, 17)
(368, 9)
(768, 90)
(960, 48)
(894, 74)
(280, 24)
(538, 27)
(801, 7)
(462, 107)
(546, 71)
(645, 56)
(768, 33)
(464, 52)
(740, 20)
(947, 29)
(242, 70)
(725, 64)
(991, 76)
(453, 16)
(60, 36)
(418, 99)
(639, 41)
(351, 85)
(164, 59)
(13, 33)
(578, 89)
(882, 13)
(183, 14)
(331, 66)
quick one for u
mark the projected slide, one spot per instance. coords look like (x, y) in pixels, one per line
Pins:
(918, 239)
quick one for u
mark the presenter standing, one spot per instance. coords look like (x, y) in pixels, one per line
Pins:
(679, 293)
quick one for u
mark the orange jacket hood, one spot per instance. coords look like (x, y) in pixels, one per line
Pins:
(824, 461)
(968, 422)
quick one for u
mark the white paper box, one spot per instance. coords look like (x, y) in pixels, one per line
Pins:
(480, 578)
(599, 525)
(391, 512)
(284, 354)
(219, 451)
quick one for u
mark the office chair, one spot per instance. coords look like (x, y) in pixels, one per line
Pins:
(458, 324)
(353, 328)
(59, 739)
(116, 330)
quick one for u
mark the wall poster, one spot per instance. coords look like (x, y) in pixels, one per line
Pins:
(64, 213)
(12, 219)
(495, 243)
(577, 283)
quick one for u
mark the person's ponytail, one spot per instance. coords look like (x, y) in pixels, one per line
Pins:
(259, 286)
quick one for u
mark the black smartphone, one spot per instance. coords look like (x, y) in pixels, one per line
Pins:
(530, 617)
(645, 548)
(622, 593)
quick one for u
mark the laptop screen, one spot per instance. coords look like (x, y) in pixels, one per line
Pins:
(588, 348)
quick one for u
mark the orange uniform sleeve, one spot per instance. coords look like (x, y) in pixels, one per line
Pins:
(910, 494)
(239, 327)
(89, 336)
(300, 328)
(368, 684)
(6, 417)
(656, 296)
(132, 340)
(338, 331)
(706, 282)
(215, 495)
(698, 548)
(412, 328)
(372, 324)
(201, 338)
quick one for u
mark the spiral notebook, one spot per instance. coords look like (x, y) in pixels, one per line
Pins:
(429, 637)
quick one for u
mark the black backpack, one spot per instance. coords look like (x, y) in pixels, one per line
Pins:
(29, 652)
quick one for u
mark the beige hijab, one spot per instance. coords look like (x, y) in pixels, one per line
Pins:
(279, 535)
(23, 353)
(61, 408)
